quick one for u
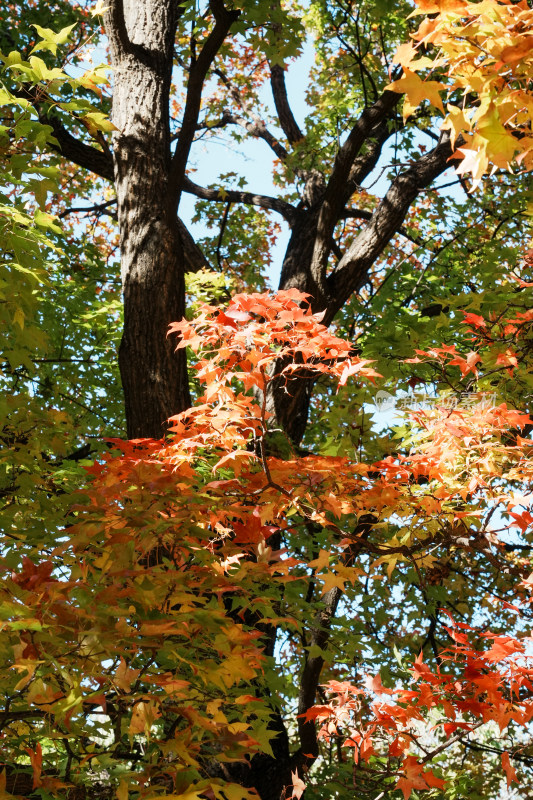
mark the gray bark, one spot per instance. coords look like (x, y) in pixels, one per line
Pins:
(154, 377)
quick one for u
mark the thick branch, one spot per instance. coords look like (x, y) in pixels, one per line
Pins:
(98, 161)
(122, 41)
(197, 75)
(78, 152)
(286, 118)
(287, 211)
(258, 129)
(361, 213)
(319, 638)
(334, 200)
(194, 257)
(115, 23)
(312, 669)
(386, 221)
(365, 162)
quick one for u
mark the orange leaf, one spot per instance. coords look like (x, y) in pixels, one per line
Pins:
(508, 769)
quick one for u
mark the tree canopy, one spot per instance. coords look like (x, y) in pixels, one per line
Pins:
(266, 540)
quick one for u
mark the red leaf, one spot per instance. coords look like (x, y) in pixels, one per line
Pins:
(474, 319)
(503, 646)
(508, 769)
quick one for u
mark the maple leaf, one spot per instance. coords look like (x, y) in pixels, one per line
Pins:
(474, 319)
(298, 786)
(316, 712)
(406, 55)
(516, 52)
(36, 760)
(331, 580)
(99, 9)
(374, 684)
(416, 91)
(474, 161)
(510, 772)
(415, 777)
(322, 561)
(456, 121)
(507, 359)
(503, 646)
(122, 792)
(125, 676)
(496, 138)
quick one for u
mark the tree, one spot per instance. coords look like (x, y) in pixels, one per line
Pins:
(141, 639)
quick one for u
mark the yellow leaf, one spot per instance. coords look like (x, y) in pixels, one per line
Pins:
(122, 791)
(30, 671)
(331, 579)
(124, 676)
(97, 121)
(416, 91)
(391, 566)
(406, 56)
(99, 9)
(321, 562)
(192, 795)
(348, 574)
(18, 318)
(474, 161)
(143, 717)
(499, 142)
(238, 727)
(456, 122)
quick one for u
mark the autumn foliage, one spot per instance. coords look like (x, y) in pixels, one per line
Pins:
(146, 632)
(244, 607)
(483, 50)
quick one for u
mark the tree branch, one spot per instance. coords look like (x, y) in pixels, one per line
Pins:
(387, 220)
(80, 153)
(194, 256)
(286, 118)
(257, 127)
(115, 26)
(287, 211)
(361, 213)
(334, 200)
(197, 75)
(312, 669)
(97, 208)
(225, 119)
(319, 637)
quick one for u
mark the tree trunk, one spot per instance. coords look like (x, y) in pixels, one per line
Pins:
(154, 377)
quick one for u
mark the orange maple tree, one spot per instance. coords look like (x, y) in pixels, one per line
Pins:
(144, 640)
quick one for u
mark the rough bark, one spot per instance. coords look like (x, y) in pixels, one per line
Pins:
(154, 377)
